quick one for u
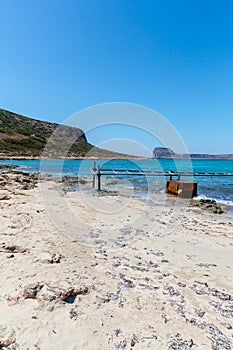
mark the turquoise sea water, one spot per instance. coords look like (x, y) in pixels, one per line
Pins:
(219, 188)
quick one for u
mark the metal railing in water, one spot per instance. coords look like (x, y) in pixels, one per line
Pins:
(98, 172)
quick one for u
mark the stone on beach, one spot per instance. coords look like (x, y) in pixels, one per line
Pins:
(47, 293)
(7, 336)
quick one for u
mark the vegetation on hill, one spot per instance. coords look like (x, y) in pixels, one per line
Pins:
(26, 137)
(22, 136)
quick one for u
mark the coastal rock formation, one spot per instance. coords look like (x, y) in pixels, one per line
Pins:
(163, 152)
(24, 137)
(13, 181)
(209, 205)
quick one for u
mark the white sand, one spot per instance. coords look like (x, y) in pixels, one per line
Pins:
(151, 274)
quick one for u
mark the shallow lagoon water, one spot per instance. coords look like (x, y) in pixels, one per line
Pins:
(219, 188)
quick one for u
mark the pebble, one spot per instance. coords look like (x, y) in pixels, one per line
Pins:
(7, 336)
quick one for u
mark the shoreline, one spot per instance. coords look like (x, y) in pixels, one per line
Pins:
(110, 158)
(120, 157)
(74, 158)
(212, 204)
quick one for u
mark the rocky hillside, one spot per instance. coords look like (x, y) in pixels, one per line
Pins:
(22, 136)
(26, 137)
(162, 152)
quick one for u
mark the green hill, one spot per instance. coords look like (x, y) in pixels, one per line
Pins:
(21, 136)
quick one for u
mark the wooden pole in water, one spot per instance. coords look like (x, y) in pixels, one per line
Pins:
(99, 181)
(94, 174)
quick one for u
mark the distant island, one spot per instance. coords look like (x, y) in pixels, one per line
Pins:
(25, 138)
(162, 152)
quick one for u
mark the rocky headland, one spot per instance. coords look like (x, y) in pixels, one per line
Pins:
(163, 152)
(27, 138)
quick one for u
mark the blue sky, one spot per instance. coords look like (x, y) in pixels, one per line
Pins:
(173, 56)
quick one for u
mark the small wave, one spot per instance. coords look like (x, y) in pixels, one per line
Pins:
(219, 201)
(224, 202)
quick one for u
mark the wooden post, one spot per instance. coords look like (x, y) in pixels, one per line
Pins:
(179, 177)
(94, 174)
(99, 181)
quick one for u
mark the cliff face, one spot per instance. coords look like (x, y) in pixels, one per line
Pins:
(23, 136)
(161, 152)
(26, 137)
(12, 123)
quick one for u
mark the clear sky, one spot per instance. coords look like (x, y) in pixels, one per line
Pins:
(173, 56)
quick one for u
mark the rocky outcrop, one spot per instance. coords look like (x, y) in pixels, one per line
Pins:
(13, 181)
(209, 205)
(162, 152)
(49, 294)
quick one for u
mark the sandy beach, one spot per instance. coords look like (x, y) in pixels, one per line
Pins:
(110, 272)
